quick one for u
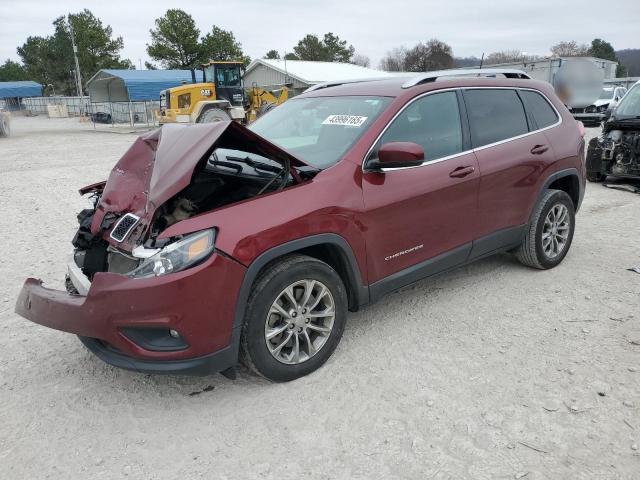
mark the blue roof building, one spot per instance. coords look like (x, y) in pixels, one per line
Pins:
(20, 89)
(111, 85)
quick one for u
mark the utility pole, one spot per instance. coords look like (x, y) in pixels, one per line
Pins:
(75, 57)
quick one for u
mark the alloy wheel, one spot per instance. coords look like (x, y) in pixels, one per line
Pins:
(299, 321)
(555, 231)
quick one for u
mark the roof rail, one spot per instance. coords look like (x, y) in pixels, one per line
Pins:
(336, 83)
(468, 72)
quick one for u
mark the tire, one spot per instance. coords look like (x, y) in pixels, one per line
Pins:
(267, 357)
(213, 115)
(596, 177)
(266, 108)
(533, 252)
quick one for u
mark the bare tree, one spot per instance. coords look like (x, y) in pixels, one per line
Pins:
(362, 60)
(425, 57)
(570, 49)
(506, 56)
(394, 61)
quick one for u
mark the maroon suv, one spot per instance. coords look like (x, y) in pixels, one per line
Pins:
(214, 242)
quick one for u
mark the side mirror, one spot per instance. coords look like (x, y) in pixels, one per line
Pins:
(398, 154)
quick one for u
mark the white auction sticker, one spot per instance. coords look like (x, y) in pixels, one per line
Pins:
(348, 120)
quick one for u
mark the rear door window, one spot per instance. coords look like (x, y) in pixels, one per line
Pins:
(432, 121)
(494, 115)
(543, 113)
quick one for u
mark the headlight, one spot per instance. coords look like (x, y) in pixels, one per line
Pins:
(178, 255)
(603, 108)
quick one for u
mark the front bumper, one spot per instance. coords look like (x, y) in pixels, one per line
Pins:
(213, 363)
(199, 303)
(589, 117)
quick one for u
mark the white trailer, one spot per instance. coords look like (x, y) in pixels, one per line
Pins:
(584, 77)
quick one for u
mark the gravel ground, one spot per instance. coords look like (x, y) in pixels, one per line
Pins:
(493, 371)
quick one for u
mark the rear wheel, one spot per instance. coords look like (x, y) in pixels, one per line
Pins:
(267, 107)
(295, 317)
(213, 115)
(550, 232)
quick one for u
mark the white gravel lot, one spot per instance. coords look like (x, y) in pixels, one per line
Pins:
(493, 371)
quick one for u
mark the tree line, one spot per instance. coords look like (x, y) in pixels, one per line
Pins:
(437, 55)
(177, 43)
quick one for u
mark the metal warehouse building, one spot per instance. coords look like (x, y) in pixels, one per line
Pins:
(135, 85)
(299, 75)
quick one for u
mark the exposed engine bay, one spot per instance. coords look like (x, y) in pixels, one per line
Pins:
(616, 152)
(111, 238)
(228, 176)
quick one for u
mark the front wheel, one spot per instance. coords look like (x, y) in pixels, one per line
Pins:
(294, 320)
(550, 232)
(213, 115)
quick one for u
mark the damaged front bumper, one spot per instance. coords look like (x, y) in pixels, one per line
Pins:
(593, 117)
(123, 320)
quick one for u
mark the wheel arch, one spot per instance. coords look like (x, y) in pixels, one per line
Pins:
(567, 180)
(330, 248)
(569, 184)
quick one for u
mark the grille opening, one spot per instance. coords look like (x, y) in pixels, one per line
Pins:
(124, 227)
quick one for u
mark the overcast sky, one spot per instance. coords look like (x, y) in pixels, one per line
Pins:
(373, 27)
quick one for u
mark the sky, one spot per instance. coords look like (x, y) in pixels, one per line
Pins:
(471, 27)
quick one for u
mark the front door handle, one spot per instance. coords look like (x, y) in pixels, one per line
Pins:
(539, 149)
(462, 171)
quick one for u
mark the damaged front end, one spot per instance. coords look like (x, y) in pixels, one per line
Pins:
(167, 176)
(152, 303)
(616, 152)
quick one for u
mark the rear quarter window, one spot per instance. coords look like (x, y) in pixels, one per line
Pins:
(543, 114)
(494, 115)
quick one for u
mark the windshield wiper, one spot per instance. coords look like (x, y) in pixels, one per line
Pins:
(255, 165)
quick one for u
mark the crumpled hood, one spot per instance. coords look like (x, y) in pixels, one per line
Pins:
(605, 101)
(161, 163)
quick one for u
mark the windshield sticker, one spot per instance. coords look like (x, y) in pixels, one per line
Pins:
(347, 120)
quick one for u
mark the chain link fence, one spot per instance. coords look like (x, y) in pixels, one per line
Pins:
(133, 113)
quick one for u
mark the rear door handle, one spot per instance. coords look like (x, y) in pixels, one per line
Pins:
(460, 172)
(539, 149)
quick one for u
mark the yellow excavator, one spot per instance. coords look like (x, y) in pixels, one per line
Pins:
(220, 97)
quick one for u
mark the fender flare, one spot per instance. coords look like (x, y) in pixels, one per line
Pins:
(353, 271)
(568, 172)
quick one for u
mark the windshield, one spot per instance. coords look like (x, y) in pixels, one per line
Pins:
(606, 94)
(629, 106)
(320, 130)
(228, 76)
(225, 75)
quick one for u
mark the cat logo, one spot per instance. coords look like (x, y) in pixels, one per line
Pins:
(205, 92)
